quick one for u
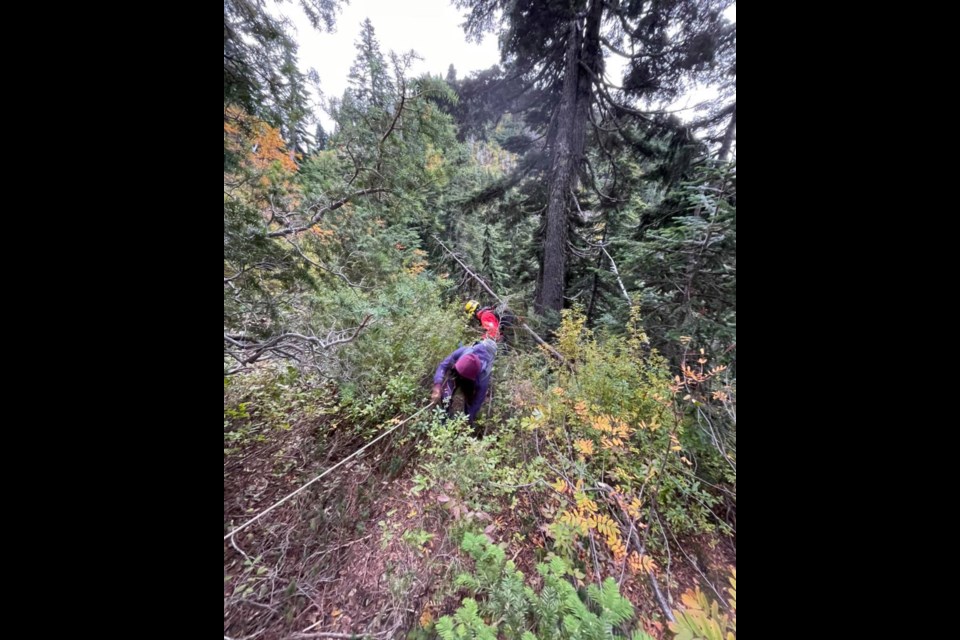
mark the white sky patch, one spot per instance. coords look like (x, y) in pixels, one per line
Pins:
(432, 28)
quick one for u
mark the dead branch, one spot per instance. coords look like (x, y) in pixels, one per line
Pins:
(290, 345)
(541, 341)
(315, 220)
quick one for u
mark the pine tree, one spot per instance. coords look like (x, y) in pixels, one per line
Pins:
(554, 74)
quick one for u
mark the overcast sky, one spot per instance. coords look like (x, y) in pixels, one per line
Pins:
(432, 28)
(429, 27)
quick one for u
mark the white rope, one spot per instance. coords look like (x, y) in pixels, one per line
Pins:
(352, 455)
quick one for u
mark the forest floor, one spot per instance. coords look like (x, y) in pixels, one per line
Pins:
(371, 551)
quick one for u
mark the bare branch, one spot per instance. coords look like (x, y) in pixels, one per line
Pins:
(396, 117)
(285, 343)
(613, 267)
(541, 341)
(323, 211)
(641, 549)
(601, 84)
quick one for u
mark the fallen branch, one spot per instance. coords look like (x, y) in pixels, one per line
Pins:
(541, 341)
(281, 343)
(641, 549)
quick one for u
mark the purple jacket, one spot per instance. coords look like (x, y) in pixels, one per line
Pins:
(485, 351)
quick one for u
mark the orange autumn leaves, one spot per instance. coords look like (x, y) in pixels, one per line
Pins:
(260, 144)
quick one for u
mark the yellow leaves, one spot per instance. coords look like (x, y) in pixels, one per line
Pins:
(416, 268)
(633, 508)
(611, 443)
(606, 526)
(581, 410)
(558, 391)
(426, 618)
(617, 548)
(611, 531)
(622, 474)
(577, 520)
(695, 600)
(720, 395)
(584, 503)
(638, 563)
(602, 423)
(584, 446)
(572, 334)
(701, 618)
(618, 429)
(434, 162)
(674, 443)
(560, 485)
(733, 588)
(336, 613)
(584, 521)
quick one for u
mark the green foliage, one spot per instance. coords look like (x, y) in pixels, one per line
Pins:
(385, 373)
(339, 303)
(465, 623)
(270, 400)
(614, 415)
(688, 259)
(417, 538)
(557, 611)
(260, 69)
(474, 472)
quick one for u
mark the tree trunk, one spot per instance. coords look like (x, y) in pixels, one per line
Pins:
(566, 142)
(729, 136)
